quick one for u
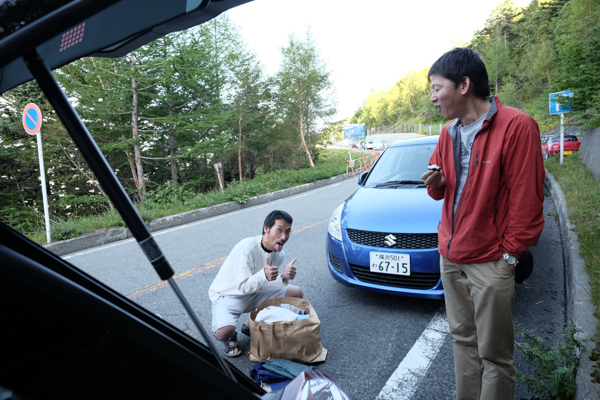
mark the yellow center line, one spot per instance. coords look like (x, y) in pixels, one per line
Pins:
(183, 275)
(202, 268)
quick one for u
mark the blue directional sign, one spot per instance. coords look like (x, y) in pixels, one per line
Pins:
(561, 102)
(354, 131)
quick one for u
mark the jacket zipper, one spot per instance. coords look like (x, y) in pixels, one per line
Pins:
(455, 214)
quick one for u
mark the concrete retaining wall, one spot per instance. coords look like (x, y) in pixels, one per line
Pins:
(590, 150)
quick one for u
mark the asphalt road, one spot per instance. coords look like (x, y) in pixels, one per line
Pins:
(371, 338)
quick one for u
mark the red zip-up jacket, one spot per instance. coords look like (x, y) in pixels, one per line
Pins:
(501, 205)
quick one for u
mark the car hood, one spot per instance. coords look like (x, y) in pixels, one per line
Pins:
(400, 210)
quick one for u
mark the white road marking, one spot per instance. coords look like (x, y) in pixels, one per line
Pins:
(191, 224)
(404, 381)
(103, 247)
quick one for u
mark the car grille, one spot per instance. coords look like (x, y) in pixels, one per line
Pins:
(416, 280)
(403, 240)
(335, 263)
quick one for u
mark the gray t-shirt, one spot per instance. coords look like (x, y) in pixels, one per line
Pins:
(467, 136)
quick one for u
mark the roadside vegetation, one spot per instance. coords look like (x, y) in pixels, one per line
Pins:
(556, 365)
(165, 116)
(545, 47)
(582, 192)
(169, 200)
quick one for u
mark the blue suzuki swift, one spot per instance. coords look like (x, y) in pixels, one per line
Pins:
(383, 238)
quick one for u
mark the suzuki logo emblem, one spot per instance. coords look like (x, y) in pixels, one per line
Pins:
(390, 240)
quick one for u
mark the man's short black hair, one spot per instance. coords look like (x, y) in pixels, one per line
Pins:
(274, 216)
(458, 63)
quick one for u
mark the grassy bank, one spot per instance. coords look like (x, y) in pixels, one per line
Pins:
(582, 192)
(168, 200)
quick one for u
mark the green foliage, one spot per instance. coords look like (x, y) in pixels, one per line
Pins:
(557, 366)
(546, 47)
(64, 230)
(303, 90)
(167, 199)
(169, 194)
(407, 100)
(577, 37)
(162, 116)
(582, 192)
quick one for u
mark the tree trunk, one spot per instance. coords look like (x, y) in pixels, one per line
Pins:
(241, 144)
(132, 166)
(141, 186)
(310, 160)
(174, 176)
(302, 123)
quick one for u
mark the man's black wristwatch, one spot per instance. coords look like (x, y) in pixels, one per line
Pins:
(510, 259)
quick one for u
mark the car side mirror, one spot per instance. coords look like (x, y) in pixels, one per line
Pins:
(363, 177)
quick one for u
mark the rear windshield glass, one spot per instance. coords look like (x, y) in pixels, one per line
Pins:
(568, 138)
(15, 14)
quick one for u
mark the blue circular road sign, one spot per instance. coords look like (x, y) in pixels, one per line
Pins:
(32, 119)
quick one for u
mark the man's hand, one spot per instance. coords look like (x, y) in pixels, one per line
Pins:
(434, 178)
(270, 272)
(290, 271)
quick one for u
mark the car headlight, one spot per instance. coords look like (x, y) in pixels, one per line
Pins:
(335, 223)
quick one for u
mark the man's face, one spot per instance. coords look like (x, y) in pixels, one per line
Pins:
(446, 97)
(275, 237)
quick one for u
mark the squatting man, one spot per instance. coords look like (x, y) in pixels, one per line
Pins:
(251, 275)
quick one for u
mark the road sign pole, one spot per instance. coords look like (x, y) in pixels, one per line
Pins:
(32, 123)
(44, 192)
(562, 137)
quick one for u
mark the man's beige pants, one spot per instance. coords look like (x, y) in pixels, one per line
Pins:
(479, 302)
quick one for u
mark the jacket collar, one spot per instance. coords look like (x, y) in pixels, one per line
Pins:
(454, 126)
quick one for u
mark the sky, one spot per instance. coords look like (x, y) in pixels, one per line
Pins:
(365, 44)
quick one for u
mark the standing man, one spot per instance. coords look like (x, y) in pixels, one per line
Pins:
(491, 178)
(249, 276)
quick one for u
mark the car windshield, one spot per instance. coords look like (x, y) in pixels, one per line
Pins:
(401, 164)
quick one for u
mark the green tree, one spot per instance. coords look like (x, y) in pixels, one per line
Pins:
(494, 43)
(249, 99)
(304, 91)
(112, 96)
(188, 114)
(578, 46)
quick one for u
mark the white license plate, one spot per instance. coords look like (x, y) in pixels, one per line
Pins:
(389, 263)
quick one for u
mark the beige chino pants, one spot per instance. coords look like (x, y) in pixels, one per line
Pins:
(479, 303)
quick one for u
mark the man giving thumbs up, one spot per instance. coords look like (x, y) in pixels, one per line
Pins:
(249, 276)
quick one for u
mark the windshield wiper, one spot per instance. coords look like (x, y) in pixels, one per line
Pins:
(396, 183)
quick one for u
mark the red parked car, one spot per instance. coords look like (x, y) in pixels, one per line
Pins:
(551, 145)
